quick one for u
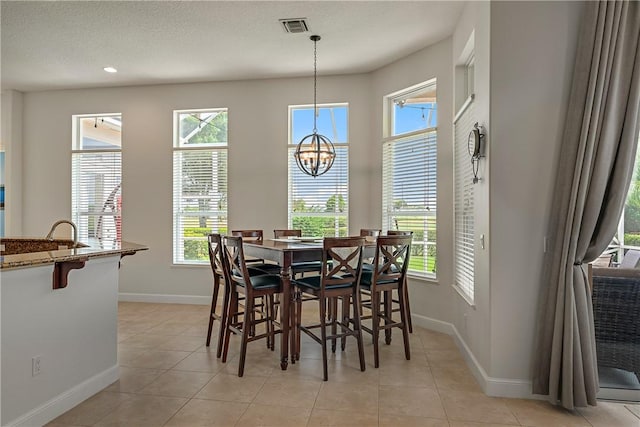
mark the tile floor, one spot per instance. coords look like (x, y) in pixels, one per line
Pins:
(169, 378)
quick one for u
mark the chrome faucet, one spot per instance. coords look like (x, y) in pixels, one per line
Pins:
(64, 221)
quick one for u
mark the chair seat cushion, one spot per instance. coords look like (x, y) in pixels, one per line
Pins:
(367, 277)
(301, 267)
(314, 283)
(265, 281)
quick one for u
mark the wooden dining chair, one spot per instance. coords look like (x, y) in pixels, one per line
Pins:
(256, 236)
(406, 287)
(370, 232)
(283, 233)
(256, 289)
(339, 280)
(390, 268)
(214, 242)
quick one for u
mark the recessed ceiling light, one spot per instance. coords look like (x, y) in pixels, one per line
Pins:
(110, 70)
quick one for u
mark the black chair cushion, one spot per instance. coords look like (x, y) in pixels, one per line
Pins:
(367, 277)
(314, 283)
(265, 281)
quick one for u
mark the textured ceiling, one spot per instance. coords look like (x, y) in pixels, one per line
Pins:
(60, 45)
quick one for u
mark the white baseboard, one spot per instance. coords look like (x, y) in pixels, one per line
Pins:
(497, 387)
(165, 298)
(67, 400)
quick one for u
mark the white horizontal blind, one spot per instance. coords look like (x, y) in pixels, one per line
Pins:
(464, 204)
(410, 195)
(199, 182)
(96, 175)
(320, 206)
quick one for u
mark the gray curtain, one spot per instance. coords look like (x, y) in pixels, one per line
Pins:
(594, 172)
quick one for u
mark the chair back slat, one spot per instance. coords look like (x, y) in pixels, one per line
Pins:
(342, 261)
(237, 267)
(248, 235)
(279, 234)
(215, 253)
(399, 233)
(392, 258)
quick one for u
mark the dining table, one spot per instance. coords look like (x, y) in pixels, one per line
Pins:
(285, 253)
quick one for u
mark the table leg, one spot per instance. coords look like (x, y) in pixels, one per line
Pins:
(285, 316)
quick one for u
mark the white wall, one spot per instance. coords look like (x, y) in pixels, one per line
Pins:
(473, 322)
(257, 162)
(533, 48)
(428, 298)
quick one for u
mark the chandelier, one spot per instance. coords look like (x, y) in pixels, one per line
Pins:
(315, 153)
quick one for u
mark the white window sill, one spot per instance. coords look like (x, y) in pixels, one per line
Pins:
(464, 296)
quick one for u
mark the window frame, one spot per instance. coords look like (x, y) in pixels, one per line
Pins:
(178, 239)
(389, 102)
(77, 152)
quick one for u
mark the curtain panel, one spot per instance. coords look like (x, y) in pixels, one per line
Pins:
(594, 171)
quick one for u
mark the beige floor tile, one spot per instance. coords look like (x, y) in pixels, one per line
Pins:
(54, 424)
(181, 343)
(232, 388)
(388, 420)
(134, 379)
(634, 408)
(177, 383)
(200, 330)
(275, 416)
(472, 406)
(127, 355)
(454, 378)
(329, 417)
(169, 327)
(202, 362)
(473, 424)
(288, 392)
(347, 397)
(141, 411)
(406, 373)
(412, 401)
(143, 340)
(348, 371)
(610, 414)
(539, 413)
(209, 413)
(435, 340)
(93, 409)
(156, 359)
(445, 358)
(259, 363)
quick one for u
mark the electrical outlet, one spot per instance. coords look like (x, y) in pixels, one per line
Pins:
(35, 366)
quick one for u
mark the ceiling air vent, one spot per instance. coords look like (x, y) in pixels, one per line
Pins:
(296, 25)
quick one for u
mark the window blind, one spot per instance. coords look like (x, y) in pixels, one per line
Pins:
(200, 189)
(319, 206)
(96, 176)
(464, 204)
(409, 195)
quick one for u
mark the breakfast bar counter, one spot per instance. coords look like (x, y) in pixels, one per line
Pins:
(59, 324)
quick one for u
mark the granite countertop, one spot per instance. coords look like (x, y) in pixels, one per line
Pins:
(93, 249)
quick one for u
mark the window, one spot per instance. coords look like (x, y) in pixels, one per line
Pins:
(464, 200)
(409, 195)
(628, 234)
(96, 176)
(320, 206)
(199, 182)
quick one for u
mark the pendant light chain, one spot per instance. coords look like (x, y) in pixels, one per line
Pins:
(315, 84)
(315, 153)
